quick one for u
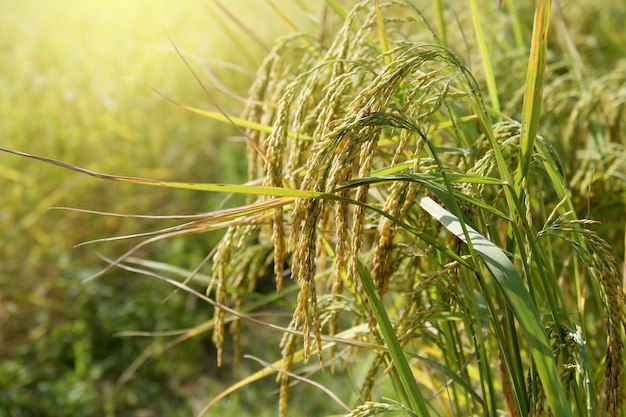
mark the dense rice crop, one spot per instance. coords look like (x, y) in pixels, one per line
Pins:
(429, 186)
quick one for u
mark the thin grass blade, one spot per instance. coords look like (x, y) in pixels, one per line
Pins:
(401, 365)
(223, 188)
(484, 54)
(534, 89)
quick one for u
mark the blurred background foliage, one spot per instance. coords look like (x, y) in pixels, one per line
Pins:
(69, 90)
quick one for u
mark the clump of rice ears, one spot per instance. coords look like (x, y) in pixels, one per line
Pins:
(428, 233)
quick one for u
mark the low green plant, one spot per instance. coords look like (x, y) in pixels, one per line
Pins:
(431, 235)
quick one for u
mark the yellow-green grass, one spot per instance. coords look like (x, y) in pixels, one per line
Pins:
(73, 86)
(70, 91)
(340, 117)
(514, 198)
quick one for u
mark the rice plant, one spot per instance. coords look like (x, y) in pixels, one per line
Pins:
(430, 223)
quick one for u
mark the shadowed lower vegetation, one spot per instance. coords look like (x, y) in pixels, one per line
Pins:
(440, 203)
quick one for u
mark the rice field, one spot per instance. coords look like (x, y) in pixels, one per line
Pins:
(430, 216)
